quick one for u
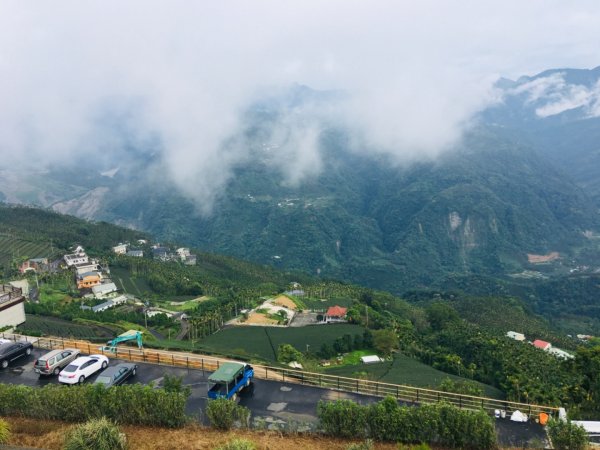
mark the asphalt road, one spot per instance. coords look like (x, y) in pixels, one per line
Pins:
(274, 405)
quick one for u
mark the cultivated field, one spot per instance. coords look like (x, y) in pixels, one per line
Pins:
(130, 285)
(405, 370)
(11, 247)
(52, 326)
(262, 342)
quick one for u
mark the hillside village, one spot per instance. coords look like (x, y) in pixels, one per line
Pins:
(543, 345)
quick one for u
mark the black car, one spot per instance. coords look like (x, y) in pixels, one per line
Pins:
(113, 376)
(13, 350)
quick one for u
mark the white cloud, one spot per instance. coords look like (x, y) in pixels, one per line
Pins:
(93, 78)
(555, 96)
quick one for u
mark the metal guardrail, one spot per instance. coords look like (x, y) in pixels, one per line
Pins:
(408, 394)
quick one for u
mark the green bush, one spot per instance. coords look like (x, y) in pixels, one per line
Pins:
(96, 434)
(567, 435)
(224, 413)
(237, 444)
(343, 418)
(4, 431)
(132, 404)
(441, 424)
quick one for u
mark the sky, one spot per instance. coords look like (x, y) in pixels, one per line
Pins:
(100, 77)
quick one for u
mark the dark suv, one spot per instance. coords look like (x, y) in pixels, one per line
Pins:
(55, 361)
(13, 350)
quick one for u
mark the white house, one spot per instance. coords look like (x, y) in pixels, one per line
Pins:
(90, 266)
(516, 336)
(120, 249)
(559, 353)
(101, 290)
(75, 258)
(183, 252)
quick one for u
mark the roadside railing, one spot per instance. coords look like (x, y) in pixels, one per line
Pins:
(408, 394)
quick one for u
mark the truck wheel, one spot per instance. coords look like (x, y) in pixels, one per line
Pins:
(104, 364)
(234, 397)
(56, 371)
(4, 364)
(248, 382)
(81, 379)
(28, 352)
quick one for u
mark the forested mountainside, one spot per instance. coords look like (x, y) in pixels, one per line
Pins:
(522, 182)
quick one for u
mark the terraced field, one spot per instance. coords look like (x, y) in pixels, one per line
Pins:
(11, 248)
(128, 284)
(51, 326)
(405, 370)
(262, 342)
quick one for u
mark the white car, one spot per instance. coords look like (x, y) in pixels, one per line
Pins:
(82, 368)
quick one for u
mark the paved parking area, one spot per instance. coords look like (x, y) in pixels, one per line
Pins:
(274, 405)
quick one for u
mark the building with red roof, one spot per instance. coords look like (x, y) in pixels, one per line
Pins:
(543, 345)
(336, 314)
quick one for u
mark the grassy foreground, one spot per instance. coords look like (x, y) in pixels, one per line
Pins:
(50, 435)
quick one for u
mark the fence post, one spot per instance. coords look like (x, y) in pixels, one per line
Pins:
(158, 355)
(357, 388)
(89, 349)
(129, 354)
(172, 359)
(417, 395)
(202, 359)
(283, 372)
(320, 376)
(460, 401)
(187, 362)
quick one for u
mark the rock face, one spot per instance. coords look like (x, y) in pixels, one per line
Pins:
(88, 206)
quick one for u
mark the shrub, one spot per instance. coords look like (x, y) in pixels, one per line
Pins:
(133, 404)
(567, 435)
(96, 434)
(342, 418)
(223, 413)
(237, 444)
(440, 424)
(4, 431)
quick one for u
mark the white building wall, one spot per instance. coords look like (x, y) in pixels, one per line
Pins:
(13, 315)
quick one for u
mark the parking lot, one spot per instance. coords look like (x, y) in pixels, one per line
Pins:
(274, 405)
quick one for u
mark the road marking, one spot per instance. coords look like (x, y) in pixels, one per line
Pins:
(277, 407)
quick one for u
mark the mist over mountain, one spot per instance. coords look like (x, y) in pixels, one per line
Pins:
(522, 180)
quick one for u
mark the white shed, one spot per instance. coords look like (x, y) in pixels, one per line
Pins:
(370, 359)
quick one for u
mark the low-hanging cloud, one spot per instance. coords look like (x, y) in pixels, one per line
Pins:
(176, 79)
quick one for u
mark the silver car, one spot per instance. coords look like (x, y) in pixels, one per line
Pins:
(56, 360)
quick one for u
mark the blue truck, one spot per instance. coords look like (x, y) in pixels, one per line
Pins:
(229, 379)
